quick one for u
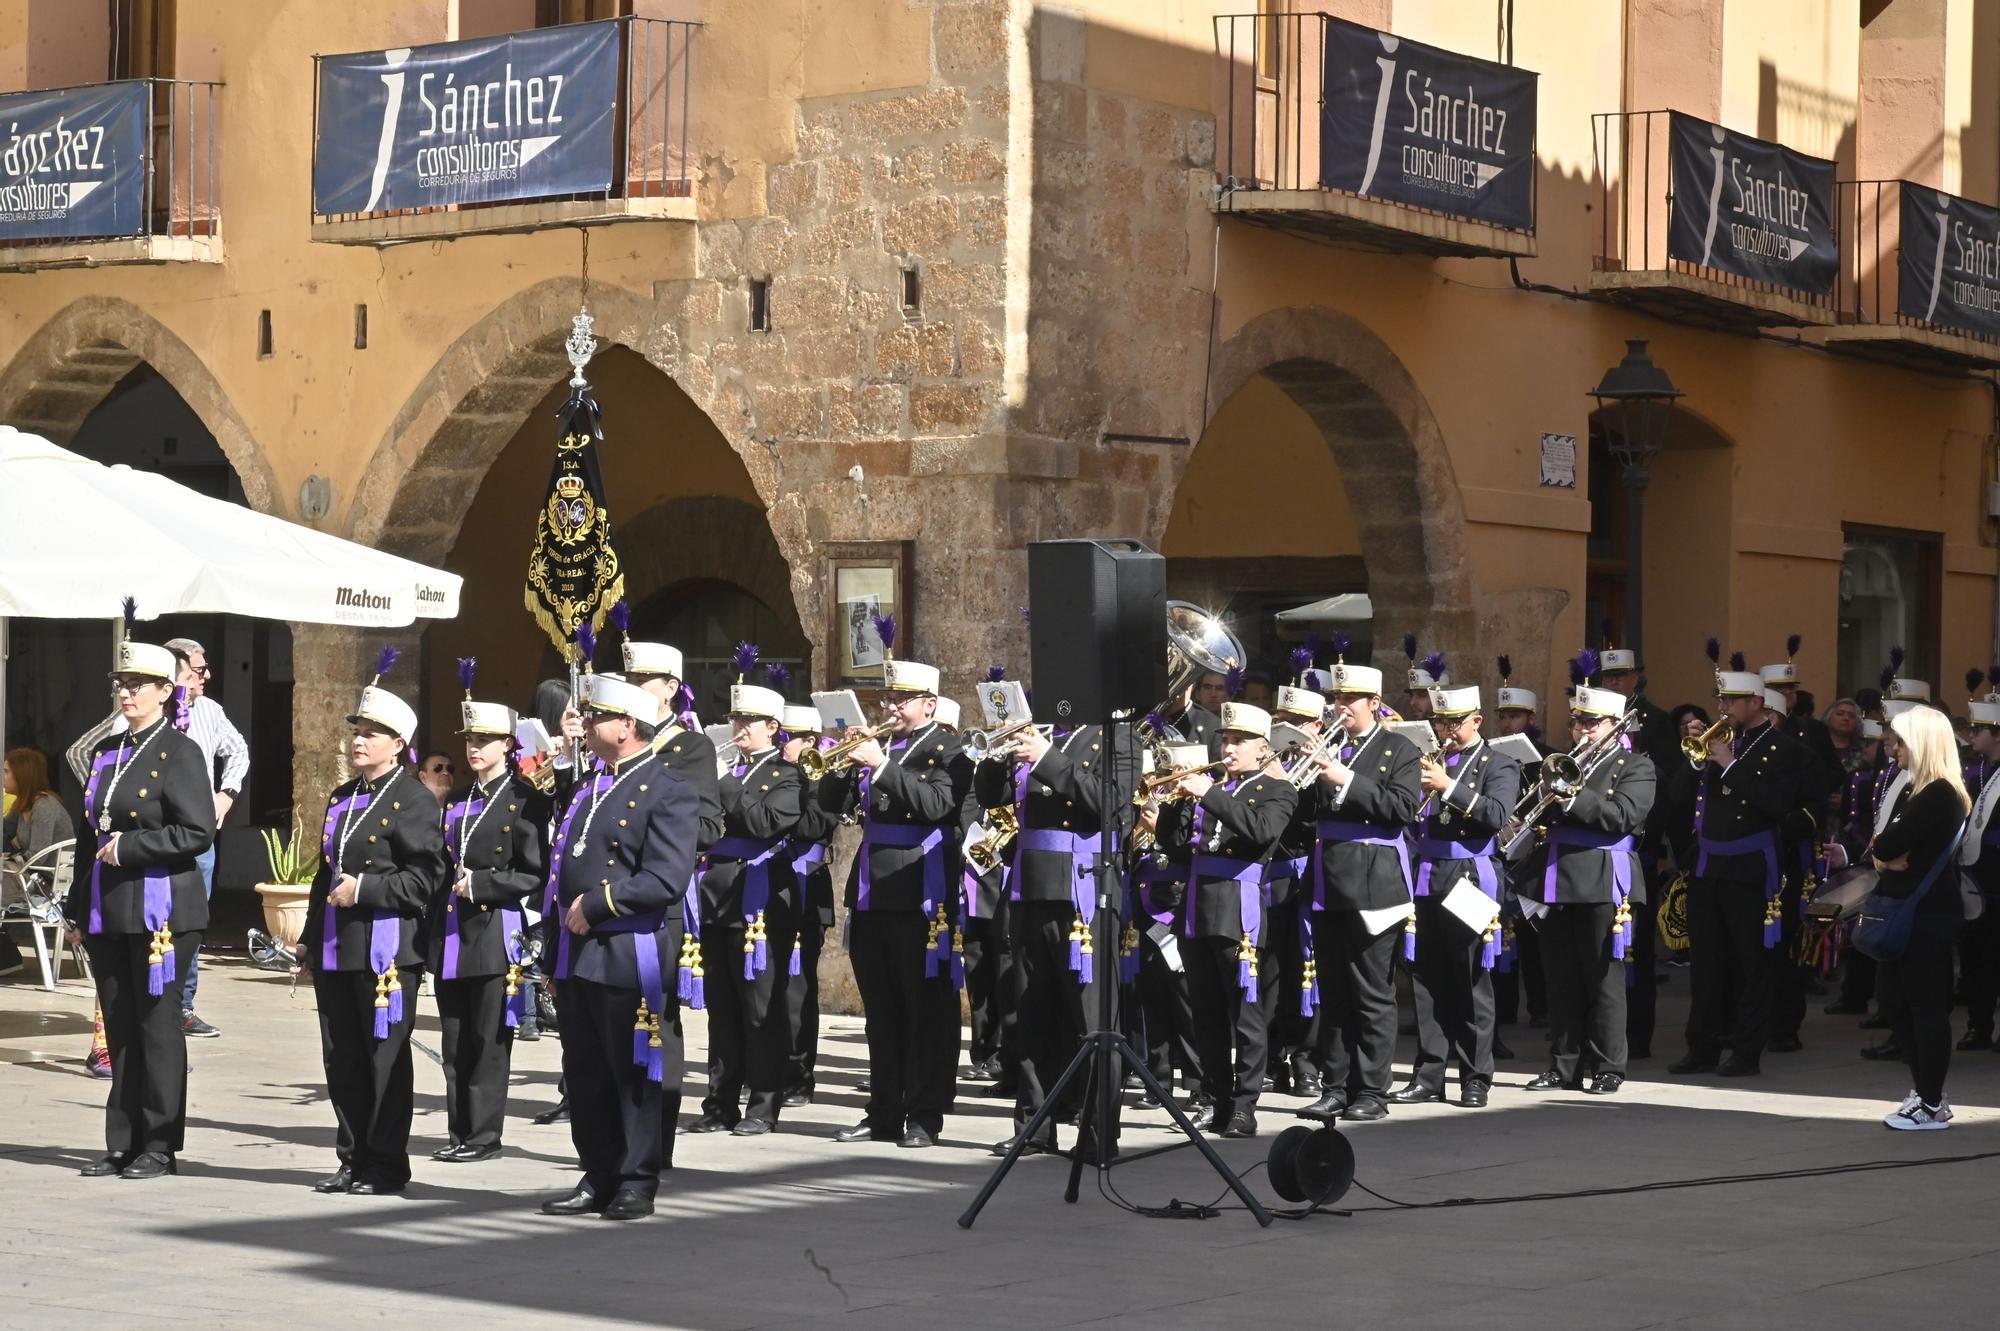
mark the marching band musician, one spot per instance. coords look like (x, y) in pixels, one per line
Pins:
(808, 852)
(900, 905)
(1746, 789)
(1578, 886)
(1655, 736)
(1157, 886)
(384, 863)
(1471, 795)
(1366, 792)
(1423, 677)
(1514, 714)
(1053, 784)
(749, 903)
(656, 668)
(990, 979)
(1288, 904)
(1231, 825)
(1979, 854)
(496, 844)
(1799, 834)
(622, 858)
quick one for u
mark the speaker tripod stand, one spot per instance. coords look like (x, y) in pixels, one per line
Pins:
(1105, 1051)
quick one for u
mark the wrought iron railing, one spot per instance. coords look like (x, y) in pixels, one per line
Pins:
(1870, 219)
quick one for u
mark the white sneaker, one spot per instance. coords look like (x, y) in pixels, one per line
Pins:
(1920, 1118)
(1910, 1101)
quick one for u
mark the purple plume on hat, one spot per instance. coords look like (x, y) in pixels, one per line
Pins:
(1888, 677)
(1434, 666)
(1896, 659)
(745, 659)
(1156, 723)
(776, 675)
(131, 607)
(466, 665)
(586, 641)
(1792, 646)
(1410, 646)
(1736, 661)
(1302, 659)
(1973, 679)
(1714, 650)
(885, 629)
(1341, 642)
(1576, 675)
(995, 673)
(1586, 661)
(1316, 680)
(388, 657)
(1232, 682)
(621, 615)
(1506, 668)
(1604, 628)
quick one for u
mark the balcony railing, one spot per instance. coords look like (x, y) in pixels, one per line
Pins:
(1635, 208)
(1900, 296)
(653, 173)
(173, 202)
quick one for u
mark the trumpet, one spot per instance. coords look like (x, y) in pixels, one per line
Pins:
(1696, 746)
(813, 764)
(1002, 826)
(1149, 784)
(1303, 771)
(979, 745)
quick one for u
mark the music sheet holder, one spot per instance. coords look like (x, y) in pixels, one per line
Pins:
(1098, 1060)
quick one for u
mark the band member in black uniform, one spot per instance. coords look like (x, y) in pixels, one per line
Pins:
(656, 668)
(1052, 786)
(622, 857)
(496, 835)
(807, 851)
(1231, 823)
(901, 897)
(1798, 858)
(384, 865)
(1288, 897)
(992, 980)
(1577, 887)
(1979, 857)
(749, 921)
(1747, 788)
(1367, 791)
(1518, 969)
(1470, 795)
(1658, 738)
(1156, 887)
(138, 910)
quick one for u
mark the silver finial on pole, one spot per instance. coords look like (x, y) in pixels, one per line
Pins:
(580, 346)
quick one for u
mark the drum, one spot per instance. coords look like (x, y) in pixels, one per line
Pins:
(1840, 897)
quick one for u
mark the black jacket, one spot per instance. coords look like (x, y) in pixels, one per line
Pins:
(1238, 825)
(761, 804)
(1759, 792)
(1920, 831)
(1472, 811)
(691, 754)
(1384, 793)
(815, 828)
(505, 834)
(394, 833)
(917, 788)
(1064, 794)
(1615, 799)
(164, 807)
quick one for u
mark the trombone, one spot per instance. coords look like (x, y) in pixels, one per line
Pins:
(1563, 775)
(813, 764)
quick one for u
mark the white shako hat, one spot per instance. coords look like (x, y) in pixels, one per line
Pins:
(1984, 711)
(1895, 707)
(141, 658)
(1455, 702)
(1291, 700)
(613, 696)
(651, 658)
(1909, 690)
(1243, 719)
(947, 713)
(1598, 702)
(1509, 698)
(1774, 701)
(491, 720)
(1345, 678)
(1738, 684)
(1870, 728)
(756, 700)
(801, 720)
(384, 708)
(909, 676)
(1617, 661)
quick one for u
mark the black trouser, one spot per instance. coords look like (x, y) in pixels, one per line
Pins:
(1857, 978)
(478, 1043)
(1586, 990)
(1231, 1031)
(1525, 979)
(911, 1019)
(1357, 1011)
(1293, 1034)
(988, 956)
(1728, 971)
(1642, 994)
(1788, 975)
(1055, 1011)
(748, 1037)
(1453, 995)
(147, 1108)
(367, 1079)
(1979, 964)
(1169, 1015)
(802, 1006)
(1916, 1000)
(619, 1121)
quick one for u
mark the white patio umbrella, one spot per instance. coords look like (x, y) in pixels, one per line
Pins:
(1346, 608)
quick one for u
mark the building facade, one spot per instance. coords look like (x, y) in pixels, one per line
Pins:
(891, 288)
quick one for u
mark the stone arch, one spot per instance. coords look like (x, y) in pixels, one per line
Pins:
(70, 365)
(1391, 454)
(705, 537)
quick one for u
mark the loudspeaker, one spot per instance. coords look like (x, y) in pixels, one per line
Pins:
(1097, 629)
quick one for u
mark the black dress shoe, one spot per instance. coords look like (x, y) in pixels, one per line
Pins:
(860, 1132)
(709, 1123)
(469, 1154)
(1878, 1022)
(447, 1151)
(1308, 1085)
(1415, 1094)
(105, 1168)
(865, 1085)
(797, 1099)
(629, 1204)
(1733, 1066)
(751, 1127)
(1967, 1042)
(1550, 1081)
(1692, 1064)
(150, 1164)
(1605, 1083)
(1034, 1146)
(1243, 1123)
(916, 1139)
(1842, 1007)
(1202, 1116)
(560, 1114)
(583, 1201)
(1886, 1052)
(1784, 1044)
(1328, 1105)
(369, 1188)
(1364, 1111)
(1147, 1101)
(1473, 1095)
(337, 1182)
(1268, 1085)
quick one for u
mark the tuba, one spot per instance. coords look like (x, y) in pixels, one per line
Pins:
(1197, 643)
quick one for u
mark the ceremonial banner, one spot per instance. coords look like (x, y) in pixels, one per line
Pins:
(73, 162)
(573, 573)
(526, 115)
(1950, 264)
(1751, 208)
(1416, 124)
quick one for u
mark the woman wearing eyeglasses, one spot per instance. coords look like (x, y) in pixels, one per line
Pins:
(139, 910)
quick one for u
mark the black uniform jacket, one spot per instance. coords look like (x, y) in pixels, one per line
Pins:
(815, 828)
(1385, 793)
(761, 804)
(916, 788)
(1237, 825)
(1471, 811)
(395, 852)
(504, 828)
(1761, 791)
(631, 863)
(1065, 794)
(165, 807)
(691, 754)
(1617, 795)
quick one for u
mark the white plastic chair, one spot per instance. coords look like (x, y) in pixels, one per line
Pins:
(33, 895)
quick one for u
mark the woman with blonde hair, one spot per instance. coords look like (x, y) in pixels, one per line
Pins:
(1915, 988)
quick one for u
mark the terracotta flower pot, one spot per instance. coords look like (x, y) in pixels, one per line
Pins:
(285, 911)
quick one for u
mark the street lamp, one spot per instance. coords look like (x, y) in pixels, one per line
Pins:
(1639, 389)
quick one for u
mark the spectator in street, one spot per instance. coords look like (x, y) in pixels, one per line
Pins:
(221, 744)
(1689, 719)
(1211, 691)
(1257, 689)
(36, 820)
(438, 773)
(1843, 727)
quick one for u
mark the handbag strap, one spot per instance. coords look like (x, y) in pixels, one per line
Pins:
(1950, 854)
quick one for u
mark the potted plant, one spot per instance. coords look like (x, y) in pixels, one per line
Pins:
(293, 863)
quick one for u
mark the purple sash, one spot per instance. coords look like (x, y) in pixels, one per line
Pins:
(1766, 844)
(803, 864)
(1331, 831)
(1619, 848)
(1309, 973)
(1248, 875)
(1145, 876)
(755, 856)
(929, 839)
(1083, 851)
(1430, 850)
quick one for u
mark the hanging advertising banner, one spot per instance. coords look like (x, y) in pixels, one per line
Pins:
(527, 115)
(1415, 124)
(73, 162)
(1949, 270)
(1751, 208)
